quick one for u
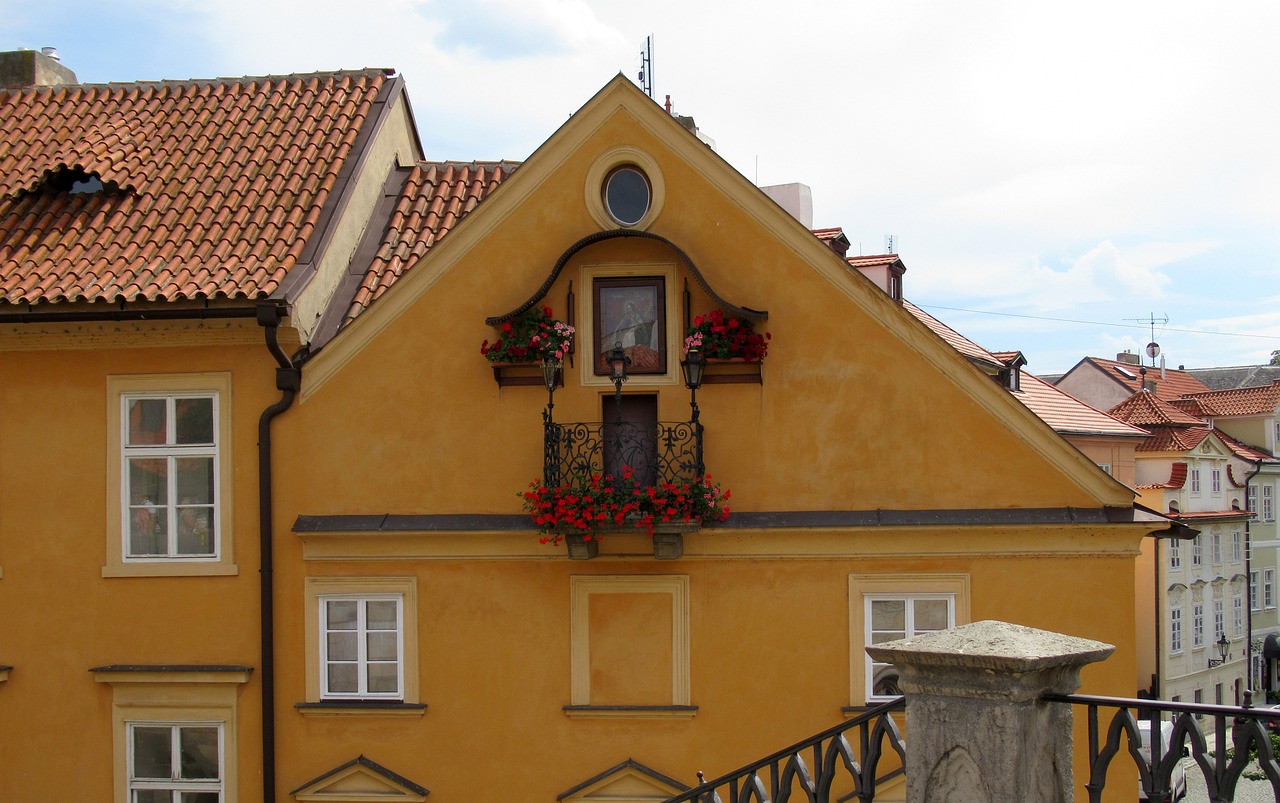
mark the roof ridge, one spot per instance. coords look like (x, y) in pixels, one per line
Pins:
(224, 79)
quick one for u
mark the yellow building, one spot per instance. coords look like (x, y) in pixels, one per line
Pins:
(417, 635)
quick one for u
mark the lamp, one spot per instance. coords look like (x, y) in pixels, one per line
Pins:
(693, 365)
(1223, 650)
(550, 372)
(618, 362)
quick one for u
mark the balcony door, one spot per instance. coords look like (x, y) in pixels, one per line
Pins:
(634, 443)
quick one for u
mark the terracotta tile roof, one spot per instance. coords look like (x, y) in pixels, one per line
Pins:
(213, 188)
(434, 198)
(1171, 385)
(1261, 400)
(1238, 376)
(828, 234)
(1203, 515)
(1242, 450)
(872, 260)
(1170, 439)
(1065, 413)
(1146, 410)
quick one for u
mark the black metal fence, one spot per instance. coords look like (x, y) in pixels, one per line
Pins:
(843, 763)
(655, 453)
(1240, 740)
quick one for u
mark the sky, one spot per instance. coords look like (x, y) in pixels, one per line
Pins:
(1063, 179)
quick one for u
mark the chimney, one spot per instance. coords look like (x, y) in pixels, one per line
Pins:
(1128, 358)
(796, 198)
(24, 68)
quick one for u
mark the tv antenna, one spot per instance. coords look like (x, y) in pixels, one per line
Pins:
(646, 66)
(890, 244)
(1153, 348)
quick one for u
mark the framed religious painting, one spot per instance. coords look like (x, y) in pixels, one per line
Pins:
(630, 313)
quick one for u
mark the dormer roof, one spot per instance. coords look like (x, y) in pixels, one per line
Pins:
(1261, 400)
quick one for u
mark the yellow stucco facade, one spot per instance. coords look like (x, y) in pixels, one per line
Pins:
(869, 462)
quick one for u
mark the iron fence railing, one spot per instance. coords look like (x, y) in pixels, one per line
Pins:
(655, 453)
(1239, 740)
(826, 767)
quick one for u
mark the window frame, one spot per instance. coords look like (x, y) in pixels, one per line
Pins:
(1219, 620)
(1254, 585)
(1268, 509)
(1197, 550)
(1215, 480)
(318, 589)
(124, 388)
(1197, 626)
(1268, 588)
(1237, 613)
(1175, 554)
(171, 784)
(1215, 548)
(1237, 550)
(1195, 479)
(1175, 629)
(864, 588)
(362, 661)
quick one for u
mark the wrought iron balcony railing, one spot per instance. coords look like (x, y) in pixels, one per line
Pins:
(656, 452)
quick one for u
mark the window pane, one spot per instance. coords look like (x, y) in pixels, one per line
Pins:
(152, 751)
(381, 615)
(195, 536)
(888, 614)
(342, 678)
(199, 752)
(152, 796)
(383, 678)
(194, 420)
(382, 647)
(195, 480)
(341, 614)
(148, 481)
(885, 680)
(199, 797)
(342, 646)
(931, 614)
(146, 421)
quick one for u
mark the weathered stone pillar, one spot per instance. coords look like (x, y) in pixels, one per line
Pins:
(976, 729)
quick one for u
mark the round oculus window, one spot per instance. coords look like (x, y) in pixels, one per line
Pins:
(627, 195)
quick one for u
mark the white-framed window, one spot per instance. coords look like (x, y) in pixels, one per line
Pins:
(1197, 626)
(1253, 592)
(1237, 546)
(1237, 613)
(1197, 550)
(893, 617)
(1268, 588)
(1251, 499)
(169, 509)
(1175, 629)
(1175, 554)
(361, 647)
(1105, 467)
(169, 473)
(1268, 511)
(1219, 620)
(1195, 480)
(1215, 480)
(175, 762)
(1215, 547)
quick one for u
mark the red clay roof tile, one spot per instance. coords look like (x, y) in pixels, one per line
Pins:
(1260, 400)
(213, 186)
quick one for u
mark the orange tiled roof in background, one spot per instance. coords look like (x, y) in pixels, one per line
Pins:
(214, 188)
(1170, 383)
(1145, 409)
(1260, 400)
(435, 196)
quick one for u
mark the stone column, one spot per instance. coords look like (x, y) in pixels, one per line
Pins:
(976, 729)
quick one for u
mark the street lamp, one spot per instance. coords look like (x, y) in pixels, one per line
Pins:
(618, 362)
(550, 372)
(693, 366)
(1223, 651)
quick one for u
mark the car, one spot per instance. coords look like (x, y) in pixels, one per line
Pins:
(1178, 780)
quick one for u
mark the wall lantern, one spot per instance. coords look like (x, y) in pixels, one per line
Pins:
(1223, 650)
(693, 365)
(550, 372)
(618, 362)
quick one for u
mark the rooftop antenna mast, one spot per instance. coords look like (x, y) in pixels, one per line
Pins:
(1153, 348)
(646, 66)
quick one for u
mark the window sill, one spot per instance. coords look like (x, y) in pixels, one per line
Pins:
(367, 708)
(176, 568)
(630, 711)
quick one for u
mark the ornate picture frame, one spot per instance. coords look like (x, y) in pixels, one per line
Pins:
(630, 312)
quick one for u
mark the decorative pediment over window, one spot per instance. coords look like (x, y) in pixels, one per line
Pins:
(628, 782)
(358, 780)
(592, 239)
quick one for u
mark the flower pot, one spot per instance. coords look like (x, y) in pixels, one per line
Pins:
(581, 547)
(734, 370)
(508, 374)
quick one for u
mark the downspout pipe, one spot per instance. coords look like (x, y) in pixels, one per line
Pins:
(288, 382)
(1248, 579)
